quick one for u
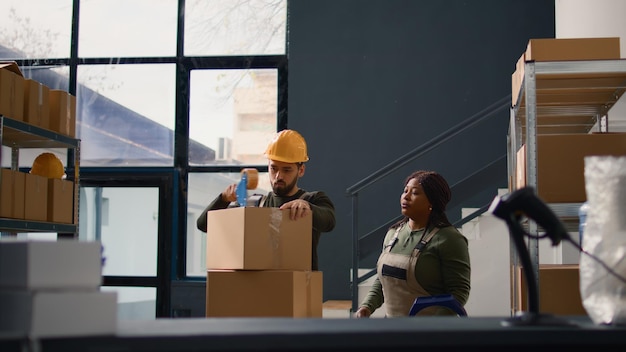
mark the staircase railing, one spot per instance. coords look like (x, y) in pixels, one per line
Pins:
(362, 246)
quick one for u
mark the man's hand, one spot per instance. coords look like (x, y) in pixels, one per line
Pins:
(230, 193)
(298, 208)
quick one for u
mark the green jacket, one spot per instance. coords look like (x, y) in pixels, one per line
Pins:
(443, 265)
(321, 205)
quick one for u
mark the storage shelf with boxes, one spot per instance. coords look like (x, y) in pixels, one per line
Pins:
(563, 91)
(35, 116)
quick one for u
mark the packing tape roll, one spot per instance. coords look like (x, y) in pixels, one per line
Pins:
(253, 178)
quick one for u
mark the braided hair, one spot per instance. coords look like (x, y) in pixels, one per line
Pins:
(438, 193)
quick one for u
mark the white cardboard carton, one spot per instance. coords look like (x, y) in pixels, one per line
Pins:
(58, 313)
(61, 264)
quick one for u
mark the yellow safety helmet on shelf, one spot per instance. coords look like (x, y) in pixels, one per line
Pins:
(48, 165)
(287, 146)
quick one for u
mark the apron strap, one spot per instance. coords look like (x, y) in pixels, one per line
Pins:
(423, 241)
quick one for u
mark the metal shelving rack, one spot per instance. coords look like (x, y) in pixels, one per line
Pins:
(559, 97)
(18, 135)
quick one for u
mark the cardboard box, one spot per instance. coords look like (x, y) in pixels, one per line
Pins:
(265, 293)
(566, 49)
(35, 197)
(11, 194)
(19, 189)
(559, 290)
(561, 163)
(516, 79)
(250, 238)
(60, 201)
(11, 91)
(36, 104)
(60, 264)
(6, 193)
(62, 112)
(569, 49)
(41, 314)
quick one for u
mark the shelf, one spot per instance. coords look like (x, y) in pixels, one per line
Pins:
(19, 134)
(571, 96)
(567, 213)
(558, 97)
(17, 225)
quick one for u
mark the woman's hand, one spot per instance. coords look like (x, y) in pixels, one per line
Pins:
(363, 312)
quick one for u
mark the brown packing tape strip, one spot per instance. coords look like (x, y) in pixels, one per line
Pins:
(40, 104)
(12, 108)
(68, 114)
(309, 293)
(276, 219)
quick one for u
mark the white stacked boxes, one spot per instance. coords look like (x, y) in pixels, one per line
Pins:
(52, 289)
(259, 265)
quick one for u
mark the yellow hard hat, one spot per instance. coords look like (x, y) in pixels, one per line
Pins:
(287, 146)
(48, 165)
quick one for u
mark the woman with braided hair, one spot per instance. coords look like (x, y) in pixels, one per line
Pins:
(422, 255)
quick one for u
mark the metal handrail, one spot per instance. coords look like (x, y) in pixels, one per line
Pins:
(353, 191)
(482, 115)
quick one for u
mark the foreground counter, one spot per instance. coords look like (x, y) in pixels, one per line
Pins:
(317, 334)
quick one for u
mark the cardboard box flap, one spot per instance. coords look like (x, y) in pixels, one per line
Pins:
(11, 66)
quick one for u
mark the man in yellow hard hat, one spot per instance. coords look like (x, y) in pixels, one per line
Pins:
(286, 154)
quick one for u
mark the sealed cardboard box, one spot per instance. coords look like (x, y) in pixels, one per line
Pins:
(60, 201)
(6, 193)
(19, 184)
(516, 79)
(561, 163)
(62, 112)
(35, 197)
(566, 49)
(264, 293)
(559, 290)
(61, 264)
(251, 238)
(61, 313)
(12, 194)
(36, 104)
(11, 91)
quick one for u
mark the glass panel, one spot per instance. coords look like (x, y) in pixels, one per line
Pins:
(53, 77)
(125, 220)
(126, 114)
(203, 188)
(232, 115)
(235, 27)
(134, 303)
(35, 29)
(113, 28)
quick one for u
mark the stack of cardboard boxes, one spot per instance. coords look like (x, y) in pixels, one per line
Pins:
(259, 265)
(26, 196)
(560, 155)
(51, 289)
(563, 141)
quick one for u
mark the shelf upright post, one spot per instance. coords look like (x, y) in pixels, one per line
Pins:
(530, 92)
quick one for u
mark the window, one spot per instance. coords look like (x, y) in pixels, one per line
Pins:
(191, 112)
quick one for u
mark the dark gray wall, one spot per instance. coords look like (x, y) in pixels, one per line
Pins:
(370, 80)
